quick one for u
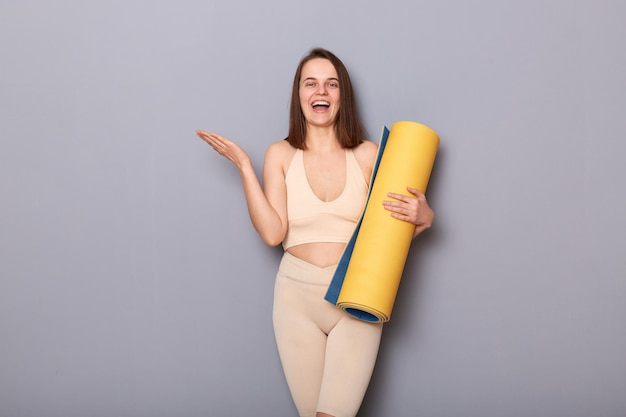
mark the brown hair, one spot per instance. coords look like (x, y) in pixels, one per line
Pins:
(348, 127)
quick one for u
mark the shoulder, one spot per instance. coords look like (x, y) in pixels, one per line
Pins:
(365, 154)
(280, 149)
(279, 154)
(366, 148)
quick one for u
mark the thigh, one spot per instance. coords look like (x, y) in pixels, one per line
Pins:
(301, 347)
(351, 351)
(301, 343)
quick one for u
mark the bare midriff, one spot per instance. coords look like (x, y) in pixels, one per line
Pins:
(320, 254)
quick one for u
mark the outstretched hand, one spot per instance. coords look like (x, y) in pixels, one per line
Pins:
(411, 209)
(225, 147)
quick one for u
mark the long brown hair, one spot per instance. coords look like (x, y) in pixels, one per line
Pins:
(348, 127)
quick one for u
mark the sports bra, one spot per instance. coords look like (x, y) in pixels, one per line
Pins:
(312, 220)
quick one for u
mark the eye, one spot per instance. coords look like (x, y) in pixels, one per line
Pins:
(333, 84)
(309, 84)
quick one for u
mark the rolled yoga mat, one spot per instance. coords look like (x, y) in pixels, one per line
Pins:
(366, 281)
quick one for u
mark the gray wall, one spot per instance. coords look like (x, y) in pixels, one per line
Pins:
(132, 283)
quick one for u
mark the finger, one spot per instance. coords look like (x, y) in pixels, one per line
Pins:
(221, 140)
(417, 193)
(205, 136)
(212, 142)
(215, 140)
(403, 217)
(209, 135)
(400, 197)
(398, 207)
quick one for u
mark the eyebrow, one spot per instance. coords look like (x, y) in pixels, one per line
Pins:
(315, 79)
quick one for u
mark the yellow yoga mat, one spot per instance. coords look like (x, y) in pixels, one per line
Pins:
(368, 275)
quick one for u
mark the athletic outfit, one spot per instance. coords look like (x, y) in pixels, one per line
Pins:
(327, 356)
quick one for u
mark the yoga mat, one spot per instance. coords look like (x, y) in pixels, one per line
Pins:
(366, 281)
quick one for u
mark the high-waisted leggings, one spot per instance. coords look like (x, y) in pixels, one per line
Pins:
(327, 356)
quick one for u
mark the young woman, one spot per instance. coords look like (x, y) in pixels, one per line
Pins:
(315, 183)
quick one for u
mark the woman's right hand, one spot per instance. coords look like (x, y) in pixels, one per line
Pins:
(267, 207)
(225, 147)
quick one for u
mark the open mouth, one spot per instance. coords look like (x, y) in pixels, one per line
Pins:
(320, 104)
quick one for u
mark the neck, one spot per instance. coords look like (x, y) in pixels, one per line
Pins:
(322, 139)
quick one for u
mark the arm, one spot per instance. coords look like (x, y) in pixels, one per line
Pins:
(267, 207)
(410, 209)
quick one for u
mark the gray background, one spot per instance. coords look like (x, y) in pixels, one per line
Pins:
(132, 283)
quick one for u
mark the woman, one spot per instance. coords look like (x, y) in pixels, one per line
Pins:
(315, 184)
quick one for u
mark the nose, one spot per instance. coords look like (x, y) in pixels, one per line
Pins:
(321, 89)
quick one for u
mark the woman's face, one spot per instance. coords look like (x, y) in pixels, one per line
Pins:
(319, 93)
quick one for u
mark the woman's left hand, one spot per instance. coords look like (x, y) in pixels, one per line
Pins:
(411, 209)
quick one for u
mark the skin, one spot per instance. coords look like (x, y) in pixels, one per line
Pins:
(324, 162)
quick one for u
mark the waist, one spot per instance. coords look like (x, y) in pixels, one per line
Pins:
(321, 254)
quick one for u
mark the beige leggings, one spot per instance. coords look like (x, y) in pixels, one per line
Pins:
(327, 356)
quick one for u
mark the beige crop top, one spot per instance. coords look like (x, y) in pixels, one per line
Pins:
(312, 220)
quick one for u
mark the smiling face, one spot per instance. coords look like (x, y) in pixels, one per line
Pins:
(319, 93)
(336, 104)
